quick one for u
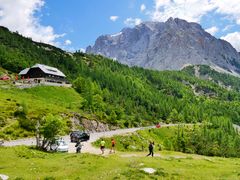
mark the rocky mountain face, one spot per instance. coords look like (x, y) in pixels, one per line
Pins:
(167, 45)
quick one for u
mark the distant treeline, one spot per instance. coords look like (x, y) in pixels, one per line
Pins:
(215, 137)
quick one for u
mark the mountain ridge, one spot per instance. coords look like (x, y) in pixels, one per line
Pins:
(167, 46)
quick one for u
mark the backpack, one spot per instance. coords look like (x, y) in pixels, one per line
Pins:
(150, 146)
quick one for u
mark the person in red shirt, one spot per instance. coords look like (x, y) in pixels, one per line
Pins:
(113, 143)
(158, 125)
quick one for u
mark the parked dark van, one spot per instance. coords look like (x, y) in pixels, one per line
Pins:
(81, 136)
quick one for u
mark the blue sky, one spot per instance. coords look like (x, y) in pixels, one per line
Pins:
(84, 21)
(75, 24)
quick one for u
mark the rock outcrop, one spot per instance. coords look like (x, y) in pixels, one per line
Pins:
(168, 45)
(91, 125)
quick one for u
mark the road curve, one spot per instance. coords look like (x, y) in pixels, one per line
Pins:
(87, 146)
(93, 137)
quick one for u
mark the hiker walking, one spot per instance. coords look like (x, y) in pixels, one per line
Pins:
(150, 148)
(78, 147)
(102, 146)
(113, 143)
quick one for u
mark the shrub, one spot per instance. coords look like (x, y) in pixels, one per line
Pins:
(3, 121)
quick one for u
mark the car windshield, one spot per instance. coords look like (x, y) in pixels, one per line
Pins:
(63, 143)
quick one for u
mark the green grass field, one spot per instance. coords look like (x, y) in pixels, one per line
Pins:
(53, 99)
(26, 163)
(38, 101)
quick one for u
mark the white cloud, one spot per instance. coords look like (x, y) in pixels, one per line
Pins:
(191, 10)
(113, 18)
(234, 39)
(194, 10)
(20, 16)
(212, 30)
(1, 13)
(142, 7)
(229, 8)
(67, 42)
(132, 21)
(83, 50)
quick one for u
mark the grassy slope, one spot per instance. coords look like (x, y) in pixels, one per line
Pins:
(31, 164)
(55, 99)
(39, 101)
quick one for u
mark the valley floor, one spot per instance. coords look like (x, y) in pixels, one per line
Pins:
(27, 163)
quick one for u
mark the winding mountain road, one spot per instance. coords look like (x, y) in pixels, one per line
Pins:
(87, 146)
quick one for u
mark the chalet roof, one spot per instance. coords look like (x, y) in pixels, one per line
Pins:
(23, 72)
(46, 69)
(49, 70)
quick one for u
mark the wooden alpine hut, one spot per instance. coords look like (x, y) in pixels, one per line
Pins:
(43, 74)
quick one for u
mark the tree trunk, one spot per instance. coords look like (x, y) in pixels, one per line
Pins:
(38, 144)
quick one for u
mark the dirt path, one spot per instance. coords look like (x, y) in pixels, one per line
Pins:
(87, 146)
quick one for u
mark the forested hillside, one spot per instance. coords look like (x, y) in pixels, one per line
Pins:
(215, 137)
(208, 73)
(123, 96)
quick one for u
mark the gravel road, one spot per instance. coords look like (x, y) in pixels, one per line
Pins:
(87, 147)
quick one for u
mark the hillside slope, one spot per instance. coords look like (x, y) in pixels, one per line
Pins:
(35, 103)
(222, 79)
(111, 92)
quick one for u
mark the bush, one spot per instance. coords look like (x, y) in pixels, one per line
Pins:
(3, 121)
(21, 111)
(26, 123)
(49, 178)
(50, 128)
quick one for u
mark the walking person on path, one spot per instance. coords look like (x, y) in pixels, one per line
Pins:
(113, 143)
(78, 146)
(102, 146)
(150, 148)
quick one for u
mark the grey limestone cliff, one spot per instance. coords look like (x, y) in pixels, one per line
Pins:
(167, 45)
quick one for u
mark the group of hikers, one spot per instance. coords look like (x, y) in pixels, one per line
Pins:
(113, 143)
(112, 147)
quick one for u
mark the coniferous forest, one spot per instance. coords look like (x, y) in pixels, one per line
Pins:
(127, 96)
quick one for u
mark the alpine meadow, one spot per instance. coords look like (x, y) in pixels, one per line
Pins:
(170, 88)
